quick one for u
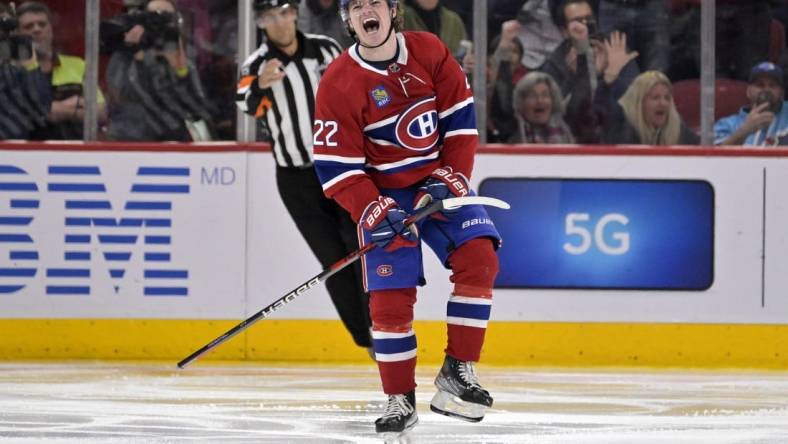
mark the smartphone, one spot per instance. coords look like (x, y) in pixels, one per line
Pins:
(765, 97)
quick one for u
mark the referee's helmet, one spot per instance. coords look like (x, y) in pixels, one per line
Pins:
(263, 5)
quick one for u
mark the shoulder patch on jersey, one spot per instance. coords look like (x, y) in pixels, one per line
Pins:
(417, 127)
(380, 96)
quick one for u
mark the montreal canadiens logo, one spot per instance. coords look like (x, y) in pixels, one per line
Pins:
(385, 270)
(417, 127)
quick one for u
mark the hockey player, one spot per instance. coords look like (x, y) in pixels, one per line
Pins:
(394, 129)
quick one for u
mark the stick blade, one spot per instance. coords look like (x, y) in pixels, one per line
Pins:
(456, 202)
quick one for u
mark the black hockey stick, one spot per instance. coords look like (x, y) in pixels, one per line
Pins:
(434, 207)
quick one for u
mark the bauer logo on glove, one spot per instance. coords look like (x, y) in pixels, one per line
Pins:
(384, 221)
(442, 184)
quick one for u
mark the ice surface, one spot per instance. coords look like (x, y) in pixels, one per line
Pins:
(156, 403)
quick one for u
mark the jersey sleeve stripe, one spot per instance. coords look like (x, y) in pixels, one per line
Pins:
(329, 170)
(380, 124)
(460, 119)
(381, 141)
(347, 174)
(461, 132)
(339, 159)
(456, 107)
(405, 162)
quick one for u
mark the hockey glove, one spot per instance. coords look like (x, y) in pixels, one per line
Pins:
(443, 183)
(385, 221)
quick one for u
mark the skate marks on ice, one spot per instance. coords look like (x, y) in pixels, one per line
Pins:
(155, 403)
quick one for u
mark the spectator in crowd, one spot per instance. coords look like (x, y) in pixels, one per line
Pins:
(23, 110)
(430, 15)
(765, 121)
(66, 75)
(503, 71)
(322, 17)
(539, 111)
(582, 61)
(646, 24)
(155, 91)
(464, 9)
(645, 114)
(508, 54)
(536, 31)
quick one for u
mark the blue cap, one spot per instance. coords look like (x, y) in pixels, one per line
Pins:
(767, 69)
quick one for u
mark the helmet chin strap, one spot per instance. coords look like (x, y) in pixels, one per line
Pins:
(388, 36)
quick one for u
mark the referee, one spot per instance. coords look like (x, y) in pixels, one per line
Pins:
(277, 86)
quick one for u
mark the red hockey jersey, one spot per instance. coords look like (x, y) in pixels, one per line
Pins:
(391, 128)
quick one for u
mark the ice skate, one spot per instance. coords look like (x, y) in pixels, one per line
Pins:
(459, 393)
(398, 418)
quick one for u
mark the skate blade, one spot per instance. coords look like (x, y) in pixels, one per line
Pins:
(447, 404)
(402, 437)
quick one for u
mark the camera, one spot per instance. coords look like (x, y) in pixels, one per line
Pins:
(7, 25)
(161, 29)
(13, 47)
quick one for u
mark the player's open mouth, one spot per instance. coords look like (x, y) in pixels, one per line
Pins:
(371, 25)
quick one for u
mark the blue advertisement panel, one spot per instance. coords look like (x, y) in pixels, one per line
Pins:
(604, 233)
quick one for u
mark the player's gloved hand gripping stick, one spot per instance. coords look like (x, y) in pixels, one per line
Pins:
(388, 225)
(443, 183)
(435, 206)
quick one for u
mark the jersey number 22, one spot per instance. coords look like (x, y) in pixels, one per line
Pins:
(330, 128)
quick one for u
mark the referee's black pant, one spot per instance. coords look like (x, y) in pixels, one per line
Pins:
(331, 235)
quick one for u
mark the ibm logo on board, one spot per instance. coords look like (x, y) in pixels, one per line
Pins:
(93, 233)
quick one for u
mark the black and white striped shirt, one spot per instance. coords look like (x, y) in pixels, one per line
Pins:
(287, 108)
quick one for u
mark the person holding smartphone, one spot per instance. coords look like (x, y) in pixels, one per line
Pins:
(765, 121)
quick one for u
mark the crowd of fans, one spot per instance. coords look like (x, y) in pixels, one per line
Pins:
(558, 71)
